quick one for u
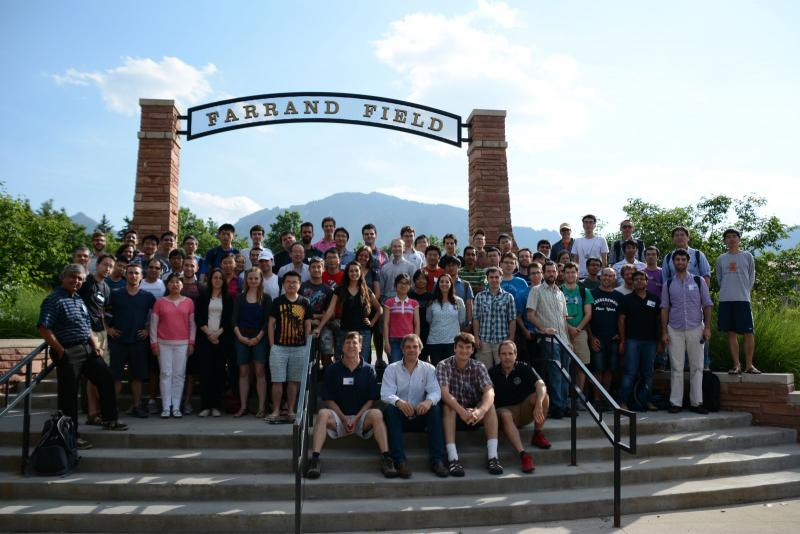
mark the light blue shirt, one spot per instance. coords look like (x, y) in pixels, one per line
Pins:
(414, 387)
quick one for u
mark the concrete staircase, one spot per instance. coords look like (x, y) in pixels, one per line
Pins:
(226, 474)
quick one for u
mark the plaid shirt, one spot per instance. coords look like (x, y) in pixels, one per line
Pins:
(550, 306)
(494, 313)
(465, 385)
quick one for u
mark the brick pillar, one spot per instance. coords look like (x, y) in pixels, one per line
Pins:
(489, 204)
(155, 202)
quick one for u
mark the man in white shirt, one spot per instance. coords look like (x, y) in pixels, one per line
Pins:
(271, 286)
(589, 245)
(412, 394)
(297, 253)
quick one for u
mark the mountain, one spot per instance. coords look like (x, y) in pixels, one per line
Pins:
(84, 220)
(389, 214)
(792, 241)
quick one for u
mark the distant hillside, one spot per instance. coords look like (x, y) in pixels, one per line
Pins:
(84, 220)
(792, 241)
(353, 210)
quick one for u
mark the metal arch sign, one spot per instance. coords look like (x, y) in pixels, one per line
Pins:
(366, 110)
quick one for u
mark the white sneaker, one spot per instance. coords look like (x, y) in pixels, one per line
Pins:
(165, 414)
(177, 414)
(187, 408)
(203, 413)
(215, 412)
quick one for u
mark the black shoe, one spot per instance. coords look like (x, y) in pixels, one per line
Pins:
(674, 409)
(556, 413)
(494, 467)
(387, 467)
(83, 444)
(455, 469)
(702, 410)
(114, 425)
(313, 470)
(402, 470)
(439, 469)
(135, 411)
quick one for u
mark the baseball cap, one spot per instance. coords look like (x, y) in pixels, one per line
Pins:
(266, 254)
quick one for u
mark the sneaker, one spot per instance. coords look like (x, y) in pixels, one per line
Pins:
(674, 409)
(204, 413)
(165, 414)
(455, 468)
(114, 425)
(152, 406)
(387, 467)
(439, 469)
(83, 444)
(177, 413)
(702, 410)
(539, 440)
(494, 467)
(313, 470)
(135, 411)
(527, 464)
(402, 470)
(187, 408)
(215, 412)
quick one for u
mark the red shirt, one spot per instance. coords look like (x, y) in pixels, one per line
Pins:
(433, 276)
(333, 280)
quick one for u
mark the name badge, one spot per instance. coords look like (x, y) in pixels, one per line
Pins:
(692, 287)
(347, 381)
(651, 303)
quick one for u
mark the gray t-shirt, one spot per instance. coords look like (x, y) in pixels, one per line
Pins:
(736, 274)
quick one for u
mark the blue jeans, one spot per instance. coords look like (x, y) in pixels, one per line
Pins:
(396, 354)
(640, 357)
(397, 423)
(557, 385)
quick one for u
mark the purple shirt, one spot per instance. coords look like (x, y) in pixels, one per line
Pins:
(654, 280)
(685, 301)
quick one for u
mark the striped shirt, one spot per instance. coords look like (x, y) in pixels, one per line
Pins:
(550, 307)
(66, 315)
(476, 278)
(401, 316)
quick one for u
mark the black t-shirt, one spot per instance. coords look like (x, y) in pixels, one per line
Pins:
(604, 313)
(514, 388)
(131, 313)
(96, 296)
(290, 320)
(350, 389)
(641, 316)
(279, 260)
(318, 295)
(354, 314)
(424, 300)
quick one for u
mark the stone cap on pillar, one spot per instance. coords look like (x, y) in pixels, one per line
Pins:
(156, 102)
(486, 113)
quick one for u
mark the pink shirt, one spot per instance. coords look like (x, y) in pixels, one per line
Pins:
(172, 322)
(401, 320)
(324, 246)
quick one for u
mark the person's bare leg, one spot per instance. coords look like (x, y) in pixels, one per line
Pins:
(136, 392)
(244, 388)
(510, 429)
(277, 393)
(733, 347)
(749, 349)
(188, 389)
(292, 388)
(449, 424)
(324, 421)
(374, 420)
(490, 423)
(545, 411)
(261, 388)
(92, 399)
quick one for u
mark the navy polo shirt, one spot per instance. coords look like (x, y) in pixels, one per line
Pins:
(130, 313)
(350, 389)
(514, 388)
(66, 315)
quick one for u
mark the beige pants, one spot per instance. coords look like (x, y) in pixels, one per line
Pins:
(487, 354)
(682, 342)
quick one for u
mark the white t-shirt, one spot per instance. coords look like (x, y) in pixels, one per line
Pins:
(303, 272)
(585, 248)
(157, 288)
(271, 287)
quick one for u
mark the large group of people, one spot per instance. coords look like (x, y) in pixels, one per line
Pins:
(476, 339)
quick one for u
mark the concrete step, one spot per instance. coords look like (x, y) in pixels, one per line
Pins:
(248, 486)
(41, 515)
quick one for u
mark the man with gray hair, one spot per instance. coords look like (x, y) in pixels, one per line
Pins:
(65, 325)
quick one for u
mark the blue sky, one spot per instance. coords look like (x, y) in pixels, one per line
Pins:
(606, 100)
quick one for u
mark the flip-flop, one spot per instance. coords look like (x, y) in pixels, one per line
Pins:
(272, 419)
(735, 371)
(753, 371)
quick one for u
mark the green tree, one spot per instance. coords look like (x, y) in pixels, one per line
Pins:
(288, 220)
(104, 225)
(204, 231)
(127, 223)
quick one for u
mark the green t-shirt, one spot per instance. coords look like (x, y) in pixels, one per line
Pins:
(575, 303)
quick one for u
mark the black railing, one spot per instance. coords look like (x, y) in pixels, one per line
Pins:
(306, 405)
(569, 373)
(25, 395)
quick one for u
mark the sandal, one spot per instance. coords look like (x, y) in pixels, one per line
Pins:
(114, 425)
(272, 419)
(290, 417)
(240, 412)
(94, 420)
(735, 371)
(261, 414)
(753, 371)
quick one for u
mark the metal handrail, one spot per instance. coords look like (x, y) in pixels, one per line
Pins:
(614, 436)
(30, 384)
(307, 397)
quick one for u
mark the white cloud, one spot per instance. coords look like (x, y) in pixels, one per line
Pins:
(121, 87)
(476, 57)
(218, 207)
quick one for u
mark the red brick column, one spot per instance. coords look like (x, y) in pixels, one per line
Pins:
(155, 202)
(489, 204)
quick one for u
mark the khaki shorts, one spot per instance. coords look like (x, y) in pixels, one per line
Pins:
(522, 413)
(359, 431)
(102, 342)
(580, 345)
(488, 354)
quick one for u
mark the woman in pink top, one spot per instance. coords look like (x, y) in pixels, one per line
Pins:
(172, 334)
(400, 318)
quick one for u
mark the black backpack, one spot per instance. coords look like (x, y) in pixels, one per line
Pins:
(711, 391)
(56, 454)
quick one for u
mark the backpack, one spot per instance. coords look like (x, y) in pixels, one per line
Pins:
(668, 259)
(711, 391)
(56, 454)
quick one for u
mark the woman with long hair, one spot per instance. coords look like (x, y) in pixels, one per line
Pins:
(250, 317)
(172, 335)
(214, 341)
(445, 314)
(359, 306)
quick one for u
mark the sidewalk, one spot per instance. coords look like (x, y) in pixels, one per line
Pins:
(778, 517)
